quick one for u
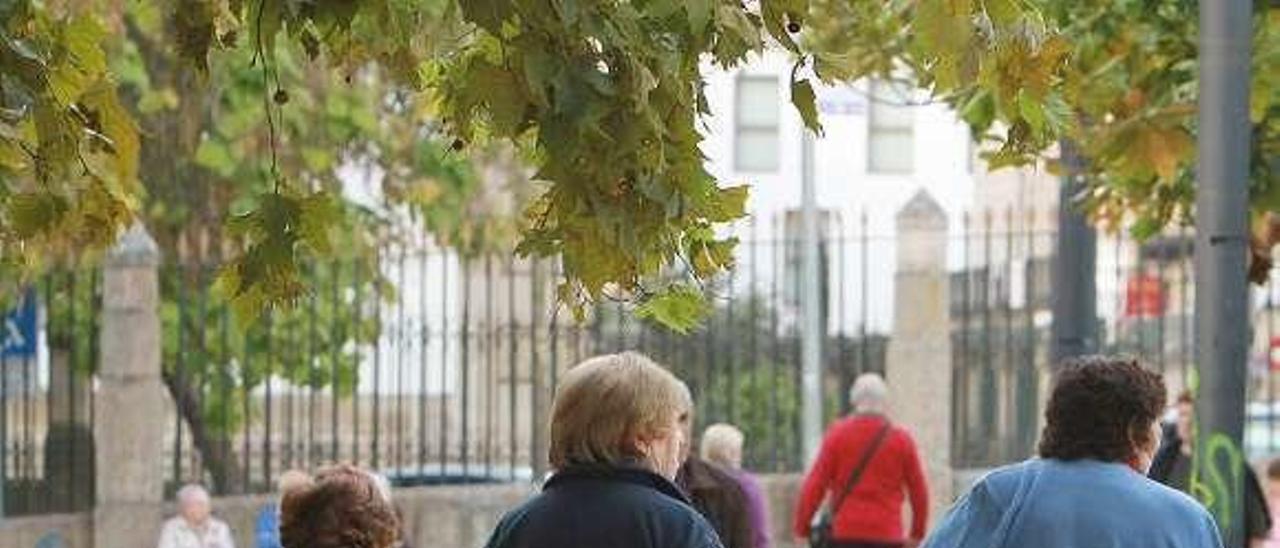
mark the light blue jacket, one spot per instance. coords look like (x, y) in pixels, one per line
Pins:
(1079, 504)
(267, 530)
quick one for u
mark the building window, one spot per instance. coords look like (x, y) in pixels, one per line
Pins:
(756, 129)
(891, 129)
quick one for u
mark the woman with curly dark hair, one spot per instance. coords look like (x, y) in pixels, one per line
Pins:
(1089, 486)
(341, 507)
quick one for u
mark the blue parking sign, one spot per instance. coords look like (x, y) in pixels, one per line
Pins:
(18, 333)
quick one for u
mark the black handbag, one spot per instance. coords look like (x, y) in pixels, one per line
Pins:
(820, 532)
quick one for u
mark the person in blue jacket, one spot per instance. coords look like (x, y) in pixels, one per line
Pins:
(618, 432)
(1089, 487)
(267, 529)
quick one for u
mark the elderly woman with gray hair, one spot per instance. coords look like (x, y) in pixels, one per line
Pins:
(865, 469)
(194, 526)
(722, 445)
(618, 429)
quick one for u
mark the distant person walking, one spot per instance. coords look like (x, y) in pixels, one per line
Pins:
(619, 427)
(1172, 467)
(1089, 486)
(267, 529)
(195, 526)
(341, 507)
(718, 496)
(1273, 501)
(877, 465)
(722, 445)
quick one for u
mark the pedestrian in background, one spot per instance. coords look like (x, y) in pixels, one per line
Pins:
(267, 529)
(1089, 486)
(722, 445)
(867, 467)
(1273, 500)
(341, 507)
(1172, 467)
(195, 526)
(619, 427)
(719, 497)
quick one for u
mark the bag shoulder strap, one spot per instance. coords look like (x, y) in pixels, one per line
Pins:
(862, 466)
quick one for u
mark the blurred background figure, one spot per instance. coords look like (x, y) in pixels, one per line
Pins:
(195, 526)
(1273, 502)
(1172, 467)
(722, 445)
(718, 496)
(866, 469)
(267, 528)
(341, 507)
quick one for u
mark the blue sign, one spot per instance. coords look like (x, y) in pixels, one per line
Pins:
(18, 333)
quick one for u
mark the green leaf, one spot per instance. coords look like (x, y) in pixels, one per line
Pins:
(678, 308)
(1145, 227)
(1002, 12)
(730, 204)
(699, 15)
(487, 14)
(980, 111)
(213, 154)
(1033, 112)
(35, 213)
(805, 101)
(943, 28)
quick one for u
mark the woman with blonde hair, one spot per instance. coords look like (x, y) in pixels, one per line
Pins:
(617, 438)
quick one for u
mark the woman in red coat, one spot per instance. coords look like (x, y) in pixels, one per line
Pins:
(871, 515)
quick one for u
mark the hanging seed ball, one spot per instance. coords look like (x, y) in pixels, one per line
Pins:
(281, 97)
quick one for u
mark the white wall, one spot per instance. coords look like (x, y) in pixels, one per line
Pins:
(843, 182)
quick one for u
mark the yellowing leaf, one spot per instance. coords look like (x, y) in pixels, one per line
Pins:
(805, 101)
(1167, 149)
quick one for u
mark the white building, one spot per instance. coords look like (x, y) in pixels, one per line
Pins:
(880, 146)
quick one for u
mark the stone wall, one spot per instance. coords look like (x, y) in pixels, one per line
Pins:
(438, 517)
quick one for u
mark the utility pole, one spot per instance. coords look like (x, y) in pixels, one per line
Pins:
(1222, 239)
(811, 329)
(1075, 279)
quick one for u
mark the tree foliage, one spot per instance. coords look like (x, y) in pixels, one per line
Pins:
(602, 96)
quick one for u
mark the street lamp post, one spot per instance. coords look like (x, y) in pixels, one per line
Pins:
(1222, 240)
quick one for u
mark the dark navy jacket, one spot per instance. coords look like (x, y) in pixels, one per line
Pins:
(596, 507)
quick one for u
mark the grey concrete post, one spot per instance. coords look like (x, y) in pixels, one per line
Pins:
(1075, 280)
(1222, 244)
(129, 405)
(919, 363)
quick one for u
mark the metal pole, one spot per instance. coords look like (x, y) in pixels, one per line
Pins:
(1075, 281)
(1222, 320)
(811, 328)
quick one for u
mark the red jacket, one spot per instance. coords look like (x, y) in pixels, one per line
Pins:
(873, 510)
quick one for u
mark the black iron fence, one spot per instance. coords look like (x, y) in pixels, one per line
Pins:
(48, 351)
(436, 369)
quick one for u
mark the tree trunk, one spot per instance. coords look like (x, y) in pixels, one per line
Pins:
(216, 451)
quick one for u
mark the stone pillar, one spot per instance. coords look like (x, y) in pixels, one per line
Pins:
(129, 406)
(919, 362)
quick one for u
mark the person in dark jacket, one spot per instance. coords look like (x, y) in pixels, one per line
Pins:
(718, 496)
(618, 430)
(1172, 467)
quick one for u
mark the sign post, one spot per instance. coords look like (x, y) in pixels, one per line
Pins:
(18, 338)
